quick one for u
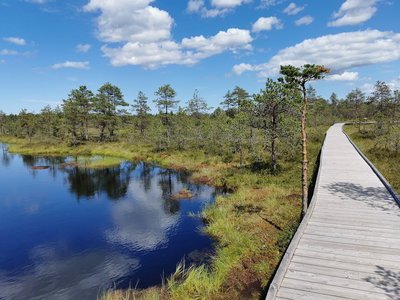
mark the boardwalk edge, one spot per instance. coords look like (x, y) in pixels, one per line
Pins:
(287, 257)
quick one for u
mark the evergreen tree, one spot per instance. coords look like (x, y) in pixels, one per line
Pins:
(356, 98)
(166, 103)
(142, 109)
(106, 103)
(297, 78)
(197, 107)
(274, 105)
(77, 110)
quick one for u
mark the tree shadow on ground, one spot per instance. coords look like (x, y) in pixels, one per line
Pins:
(251, 209)
(377, 197)
(387, 280)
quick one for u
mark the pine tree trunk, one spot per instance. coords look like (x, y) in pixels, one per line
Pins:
(304, 177)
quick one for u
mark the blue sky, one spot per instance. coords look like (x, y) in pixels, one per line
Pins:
(48, 47)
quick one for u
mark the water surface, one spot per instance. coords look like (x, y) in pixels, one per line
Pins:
(70, 233)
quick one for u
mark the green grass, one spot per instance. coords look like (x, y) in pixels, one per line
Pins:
(374, 147)
(252, 226)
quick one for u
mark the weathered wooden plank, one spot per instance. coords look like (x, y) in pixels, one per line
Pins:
(344, 221)
(354, 240)
(365, 251)
(345, 263)
(373, 220)
(361, 285)
(350, 254)
(331, 290)
(355, 274)
(354, 234)
(289, 293)
(352, 227)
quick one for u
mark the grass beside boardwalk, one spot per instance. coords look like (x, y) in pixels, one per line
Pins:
(253, 225)
(385, 160)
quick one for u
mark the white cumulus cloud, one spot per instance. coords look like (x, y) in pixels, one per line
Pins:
(292, 9)
(269, 3)
(339, 52)
(15, 40)
(228, 3)
(83, 48)
(306, 20)
(72, 65)
(8, 52)
(195, 5)
(144, 38)
(127, 21)
(188, 52)
(354, 12)
(266, 24)
(241, 68)
(345, 76)
(217, 7)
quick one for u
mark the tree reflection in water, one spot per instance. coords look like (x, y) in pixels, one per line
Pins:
(86, 183)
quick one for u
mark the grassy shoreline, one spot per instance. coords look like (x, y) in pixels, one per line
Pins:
(252, 226)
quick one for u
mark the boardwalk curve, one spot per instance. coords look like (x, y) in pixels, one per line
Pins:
(348, 244)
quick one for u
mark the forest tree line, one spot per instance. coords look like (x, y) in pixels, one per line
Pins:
(263, 127)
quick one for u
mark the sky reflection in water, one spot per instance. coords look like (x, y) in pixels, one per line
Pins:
(68, 232)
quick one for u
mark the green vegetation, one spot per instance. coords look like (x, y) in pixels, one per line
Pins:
(382, 150)
(251, 147)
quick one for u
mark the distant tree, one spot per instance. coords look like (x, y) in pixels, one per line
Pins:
(237, 134)
(381, 102)
(241, 97)
(334, 102)
(274, 105)
(318, 107)
(3, 119)
(106, 103)
(183, 129)
(235, 100)
(238, 106)
(49, 122)
(77, 110)
(382, 98)
(229, 103)
(356, 98)
(84, 99)
(142, 109)
(166, 102)
(71, 114)
(28, 124)
(297, 78)
(396, 105)
(197, 107)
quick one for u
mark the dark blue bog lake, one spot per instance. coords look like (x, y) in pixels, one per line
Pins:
(71, 233)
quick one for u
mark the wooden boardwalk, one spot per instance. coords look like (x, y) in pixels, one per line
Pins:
(348, 245)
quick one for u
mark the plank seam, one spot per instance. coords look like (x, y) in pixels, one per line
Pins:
(340, 286)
